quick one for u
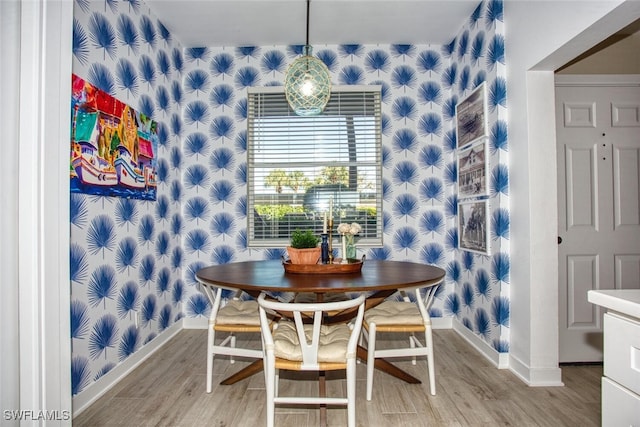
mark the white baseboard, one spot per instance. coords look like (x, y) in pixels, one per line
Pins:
(499, 360)
(195, 323)
(442, 322)
(536, 377)
(533, 377)
(86, 397)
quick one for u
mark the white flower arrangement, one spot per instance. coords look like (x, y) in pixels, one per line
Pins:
(347, 231)
(352, 229)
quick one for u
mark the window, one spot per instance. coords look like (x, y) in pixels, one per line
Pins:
(298, 165)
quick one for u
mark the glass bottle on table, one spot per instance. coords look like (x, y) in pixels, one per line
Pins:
(324, 248)
(350, 252)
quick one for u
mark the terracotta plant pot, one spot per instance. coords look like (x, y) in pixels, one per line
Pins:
(303, 256)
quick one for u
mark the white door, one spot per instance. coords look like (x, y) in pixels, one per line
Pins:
(598, 143)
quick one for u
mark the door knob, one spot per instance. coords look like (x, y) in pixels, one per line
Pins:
(559, 239)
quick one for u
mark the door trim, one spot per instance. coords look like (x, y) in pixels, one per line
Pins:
(597, 80)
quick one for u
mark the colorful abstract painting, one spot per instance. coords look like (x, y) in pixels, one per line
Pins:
(112, 146)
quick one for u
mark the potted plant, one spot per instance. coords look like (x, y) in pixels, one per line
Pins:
(304, 247)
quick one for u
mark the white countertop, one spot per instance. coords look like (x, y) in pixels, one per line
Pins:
(625, 301)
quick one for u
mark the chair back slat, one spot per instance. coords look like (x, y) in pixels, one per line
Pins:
(309, 347)
(308, 319)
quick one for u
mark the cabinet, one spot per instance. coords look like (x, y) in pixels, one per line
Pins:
(621, 380)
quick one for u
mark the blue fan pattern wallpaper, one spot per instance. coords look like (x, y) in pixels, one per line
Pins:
(132, 256)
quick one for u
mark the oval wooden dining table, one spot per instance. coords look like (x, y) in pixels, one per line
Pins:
(379, 278)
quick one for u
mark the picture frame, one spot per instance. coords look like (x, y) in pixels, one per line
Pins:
(471, 117)
(473, 226)
(113, 147)
(473, 170)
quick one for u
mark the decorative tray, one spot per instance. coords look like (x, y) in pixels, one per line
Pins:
(353, 266)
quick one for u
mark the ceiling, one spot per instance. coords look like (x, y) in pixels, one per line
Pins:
(201, 23)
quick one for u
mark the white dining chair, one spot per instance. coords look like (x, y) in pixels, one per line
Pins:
(408, 316)
(307, 343)
(234, 317)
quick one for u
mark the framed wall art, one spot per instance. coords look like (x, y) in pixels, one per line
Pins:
(471, 116)
(473, 167)
(473, 226)
(113, 147)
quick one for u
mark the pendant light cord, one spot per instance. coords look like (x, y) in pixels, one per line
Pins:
(308, 2)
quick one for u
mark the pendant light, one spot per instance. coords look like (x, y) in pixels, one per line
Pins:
(307, 84)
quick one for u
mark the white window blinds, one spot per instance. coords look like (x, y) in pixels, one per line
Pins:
(298, 165)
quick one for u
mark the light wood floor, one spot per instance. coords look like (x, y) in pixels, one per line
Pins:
(169, 390)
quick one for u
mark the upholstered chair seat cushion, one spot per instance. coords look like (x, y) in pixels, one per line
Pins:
(237, 312)
(394, 313)
(333, 342)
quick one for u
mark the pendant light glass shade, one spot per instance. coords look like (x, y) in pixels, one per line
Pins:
(307, 85)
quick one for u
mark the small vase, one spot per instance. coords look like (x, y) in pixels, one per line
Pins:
(324, 249)
(349, 247)
(351, 251)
